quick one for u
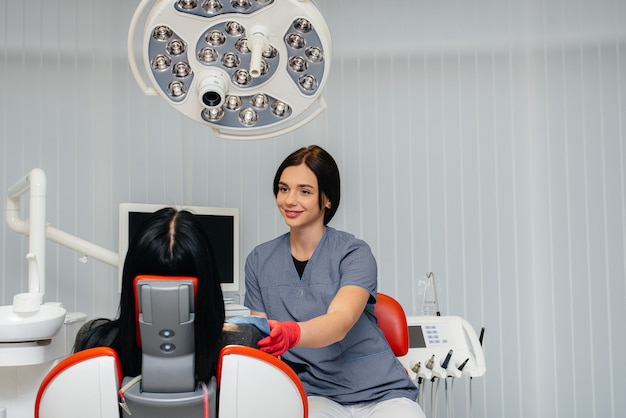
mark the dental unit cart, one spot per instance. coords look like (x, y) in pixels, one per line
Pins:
(442, 348)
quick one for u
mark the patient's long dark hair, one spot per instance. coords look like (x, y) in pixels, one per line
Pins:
(170, 243)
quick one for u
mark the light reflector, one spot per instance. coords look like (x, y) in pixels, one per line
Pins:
(272, 57)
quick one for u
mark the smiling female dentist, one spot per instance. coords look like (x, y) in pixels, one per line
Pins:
(317, 286)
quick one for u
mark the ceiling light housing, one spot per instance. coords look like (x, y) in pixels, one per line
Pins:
(249, 69)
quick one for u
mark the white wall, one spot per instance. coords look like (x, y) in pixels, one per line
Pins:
(483, 141)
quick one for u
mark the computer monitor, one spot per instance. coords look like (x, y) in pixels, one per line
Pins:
(221, 225)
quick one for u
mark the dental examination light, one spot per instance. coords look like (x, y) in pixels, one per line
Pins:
(248, 69)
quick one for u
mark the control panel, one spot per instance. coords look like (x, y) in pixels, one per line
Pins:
(443, 346)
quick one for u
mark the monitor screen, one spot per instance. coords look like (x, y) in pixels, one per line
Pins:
(416, 337)
(221, 226)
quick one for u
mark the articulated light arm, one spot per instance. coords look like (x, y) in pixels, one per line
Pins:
(38, 231)
(29, 318)
(35, 180)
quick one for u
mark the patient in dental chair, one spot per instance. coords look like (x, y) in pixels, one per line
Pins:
(170, 243)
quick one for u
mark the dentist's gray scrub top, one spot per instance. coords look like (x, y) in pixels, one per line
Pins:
(361, 367)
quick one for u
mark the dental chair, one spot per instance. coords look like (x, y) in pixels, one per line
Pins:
(249, 382)
(166, 335)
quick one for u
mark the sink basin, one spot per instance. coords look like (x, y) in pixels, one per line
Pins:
(42, 324)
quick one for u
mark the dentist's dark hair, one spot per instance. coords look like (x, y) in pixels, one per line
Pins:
(323, 165)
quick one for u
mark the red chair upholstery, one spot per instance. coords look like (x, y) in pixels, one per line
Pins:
(392, 321)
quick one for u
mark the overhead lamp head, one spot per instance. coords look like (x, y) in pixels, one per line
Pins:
(248, 69)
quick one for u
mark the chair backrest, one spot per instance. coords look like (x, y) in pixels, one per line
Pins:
(254, 384)
(392, 321)
(82, 385)
(165, 315)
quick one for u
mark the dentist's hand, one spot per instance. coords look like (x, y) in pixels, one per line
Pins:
(283, 336)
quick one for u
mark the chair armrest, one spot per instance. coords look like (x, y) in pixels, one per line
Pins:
(84, 384)
(252, 383)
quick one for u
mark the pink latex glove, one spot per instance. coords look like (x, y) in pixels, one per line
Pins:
(283, 336)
